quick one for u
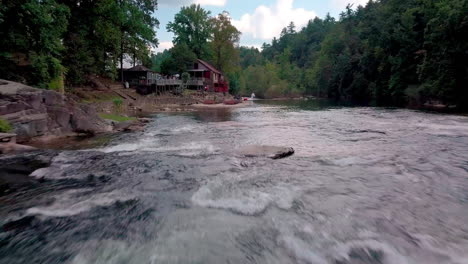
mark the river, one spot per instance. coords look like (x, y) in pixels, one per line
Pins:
(365, 185)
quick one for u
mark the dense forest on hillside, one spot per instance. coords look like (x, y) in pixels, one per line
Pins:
(390, 52)
(41, 42)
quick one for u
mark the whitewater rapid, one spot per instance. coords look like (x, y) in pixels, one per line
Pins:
(366, 185)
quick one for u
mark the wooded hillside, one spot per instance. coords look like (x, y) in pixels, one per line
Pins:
(43, 41)
(390, 52)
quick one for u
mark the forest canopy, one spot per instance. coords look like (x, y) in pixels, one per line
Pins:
(43, 41)
(388, 52)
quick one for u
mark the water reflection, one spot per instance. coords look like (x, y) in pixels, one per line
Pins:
(303, 104)
(214, 115)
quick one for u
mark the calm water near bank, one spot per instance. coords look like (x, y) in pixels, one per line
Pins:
(366, 185)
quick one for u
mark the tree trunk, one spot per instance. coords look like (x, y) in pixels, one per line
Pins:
(121, 47)
(134, 57)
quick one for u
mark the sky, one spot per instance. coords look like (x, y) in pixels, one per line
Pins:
(258, 20)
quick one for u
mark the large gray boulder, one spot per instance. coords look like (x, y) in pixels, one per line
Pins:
(265, 151)
(37, 112)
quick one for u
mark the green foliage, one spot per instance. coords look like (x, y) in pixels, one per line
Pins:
(192, 26)
(40, 39)
(180, 59)
(185, 77)
(197, 36)
(5, 126)
(104, 33)
(250, 57)
(57, 84)
(157, 59)
(30, 40)
(385, 53)
(225, 40)
(117, 118)
(234, 83)
(118, 102)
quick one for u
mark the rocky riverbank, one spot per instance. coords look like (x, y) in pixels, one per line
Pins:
(44, 115)
(35, 112)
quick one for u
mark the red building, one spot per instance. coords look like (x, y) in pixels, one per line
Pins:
(204, 75)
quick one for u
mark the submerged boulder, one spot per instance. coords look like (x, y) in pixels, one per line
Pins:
(271, 152)
(38, 112)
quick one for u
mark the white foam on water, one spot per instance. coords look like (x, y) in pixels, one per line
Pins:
(143, 144)
(40, 173)
(301, 250)
(249, 200)
(59, 164)
(189, 149)
(78, 201)
(182, 129)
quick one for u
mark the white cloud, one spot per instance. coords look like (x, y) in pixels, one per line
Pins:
(267, 22)
(178, 3)
(341, 4)
(174, 3)
(164, 45)
(211, 2)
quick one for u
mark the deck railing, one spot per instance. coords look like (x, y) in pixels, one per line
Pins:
(163, 82)
(199, 81)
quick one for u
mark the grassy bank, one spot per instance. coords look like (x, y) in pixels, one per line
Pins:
(117, 118)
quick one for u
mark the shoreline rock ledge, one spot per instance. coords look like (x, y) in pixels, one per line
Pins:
(272, 152)
(37, 112)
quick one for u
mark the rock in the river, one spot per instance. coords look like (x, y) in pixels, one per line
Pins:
(266, 151)
(129, 126)
(7, 148)
(37, 112)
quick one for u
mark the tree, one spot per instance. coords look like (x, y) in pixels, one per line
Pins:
(101, 33)
(157, 59)
(224, 43)
(192, 26)
(179, 61)
(30, 40)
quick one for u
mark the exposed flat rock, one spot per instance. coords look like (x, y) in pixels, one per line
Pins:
(271, 152)
(37, 112)
(13, 148)
(128, 126)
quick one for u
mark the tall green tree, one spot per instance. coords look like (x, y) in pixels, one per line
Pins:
(180, 59)
(224, 43)
(192, 26)
(102, 33)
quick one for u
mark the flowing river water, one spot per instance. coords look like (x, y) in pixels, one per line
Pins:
(366, 185)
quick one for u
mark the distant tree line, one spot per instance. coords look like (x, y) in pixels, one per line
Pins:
(43, 42)
(389, 52)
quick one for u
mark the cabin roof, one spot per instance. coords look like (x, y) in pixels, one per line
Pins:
(139, 68)
(209, 66)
